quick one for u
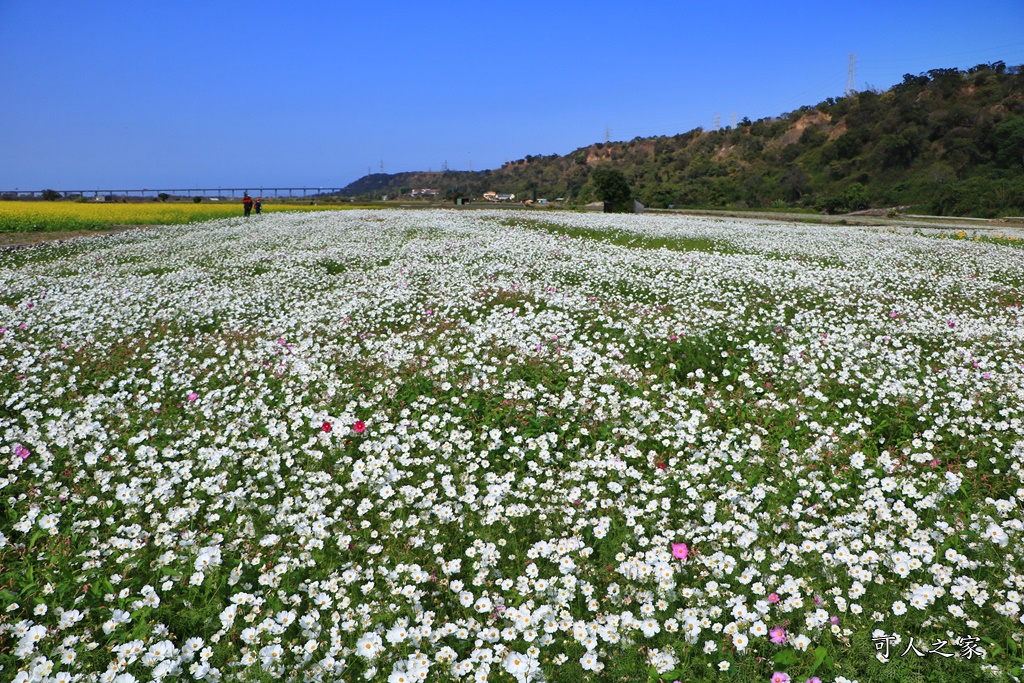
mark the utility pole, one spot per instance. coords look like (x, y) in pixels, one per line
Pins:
(851, 83)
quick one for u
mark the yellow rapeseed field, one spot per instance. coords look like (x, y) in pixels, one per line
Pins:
(31, 216)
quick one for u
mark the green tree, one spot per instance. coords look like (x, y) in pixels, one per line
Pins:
(855, 198)
(1009, 143)
(51, 195)
(610, 185)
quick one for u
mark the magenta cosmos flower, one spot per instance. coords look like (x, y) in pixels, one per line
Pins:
(359, 427)
(680, 551)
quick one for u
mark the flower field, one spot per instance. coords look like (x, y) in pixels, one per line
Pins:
(29, 216)
(469, 446)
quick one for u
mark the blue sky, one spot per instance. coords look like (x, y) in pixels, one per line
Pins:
(111, 95)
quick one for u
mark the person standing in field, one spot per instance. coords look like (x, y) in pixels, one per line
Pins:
(247, 204)
(258, 206)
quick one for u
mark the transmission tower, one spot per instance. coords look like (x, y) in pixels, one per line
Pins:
(851, 82)
(381, 165)
(718, 121)
(732, 120)
(607, 134)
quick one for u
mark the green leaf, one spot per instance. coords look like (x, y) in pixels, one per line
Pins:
(652, 674)
(820, 653)
(786, 658)
(994, 647)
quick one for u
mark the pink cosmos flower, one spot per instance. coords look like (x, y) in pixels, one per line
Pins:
(779, 677)
(359, 427)
(778, 635)
(192, 396)
(680, 551)
(21, 451)
(773, 598)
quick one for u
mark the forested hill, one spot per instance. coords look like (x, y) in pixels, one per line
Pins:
(948, 141)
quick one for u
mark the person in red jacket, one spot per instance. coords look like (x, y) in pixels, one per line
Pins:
(247, 204)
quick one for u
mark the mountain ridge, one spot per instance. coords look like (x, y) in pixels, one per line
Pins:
(949, 141)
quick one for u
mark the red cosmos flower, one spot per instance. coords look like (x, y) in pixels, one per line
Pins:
(326, 427)
(359, 427)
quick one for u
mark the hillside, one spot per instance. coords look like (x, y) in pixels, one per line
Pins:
(948, 141)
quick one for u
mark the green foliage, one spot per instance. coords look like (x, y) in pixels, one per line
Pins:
(910, 145)
(50, 195)
(609, 185)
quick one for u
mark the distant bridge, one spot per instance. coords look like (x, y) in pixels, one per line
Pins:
(219, 193)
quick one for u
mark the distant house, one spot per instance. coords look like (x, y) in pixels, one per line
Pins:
(495, 197)
(425, 192)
